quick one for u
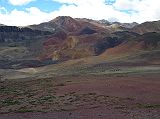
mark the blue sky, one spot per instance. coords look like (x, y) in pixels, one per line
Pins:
(27, 12)
(44, 5)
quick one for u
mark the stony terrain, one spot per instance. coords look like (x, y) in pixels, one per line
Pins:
(82, 97)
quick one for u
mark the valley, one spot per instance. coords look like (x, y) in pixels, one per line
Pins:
(74, 68)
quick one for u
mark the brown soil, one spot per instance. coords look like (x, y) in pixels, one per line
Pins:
(92, 97)
(120, 50)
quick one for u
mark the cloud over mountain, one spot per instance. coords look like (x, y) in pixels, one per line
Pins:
(120, 10)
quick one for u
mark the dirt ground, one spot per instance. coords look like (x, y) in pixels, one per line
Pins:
(82, 97)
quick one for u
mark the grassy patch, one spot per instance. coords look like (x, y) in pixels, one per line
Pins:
(46, 99)
(9, 102)
(148, 106)
(7, 90)
(24, 110)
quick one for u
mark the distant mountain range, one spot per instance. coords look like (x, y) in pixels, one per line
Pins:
(65, 38)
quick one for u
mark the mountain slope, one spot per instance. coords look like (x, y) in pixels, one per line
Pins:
(147, 27)
(65, 38)
(146, 44)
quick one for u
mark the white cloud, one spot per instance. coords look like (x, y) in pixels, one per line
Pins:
(126, 4)
(28, 17)
(20, 2)
(140, 11)
(95, 9)
(146, 10)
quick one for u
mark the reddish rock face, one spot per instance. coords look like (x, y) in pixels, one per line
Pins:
(74, 38)
(67, 23)
(78, 38)
(66, 38)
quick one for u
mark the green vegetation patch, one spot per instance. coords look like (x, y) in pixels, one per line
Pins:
(24, 110)
(8, 102)
(148, 106)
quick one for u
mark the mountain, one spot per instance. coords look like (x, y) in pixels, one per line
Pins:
(77, 67)
(129, 25)
(2, 25)
(135, 44)
(20, 46)
(81, 37)
(13, 33)
(147, 27)
(60, 39)
(65, 38)
(69, 25)
(103, 21)
(124, 25)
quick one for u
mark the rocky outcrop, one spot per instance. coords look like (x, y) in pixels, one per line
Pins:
(71, 42)
(151, 40)
(87, 30)
(106, 43)
(16, 34)
(56, 56)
